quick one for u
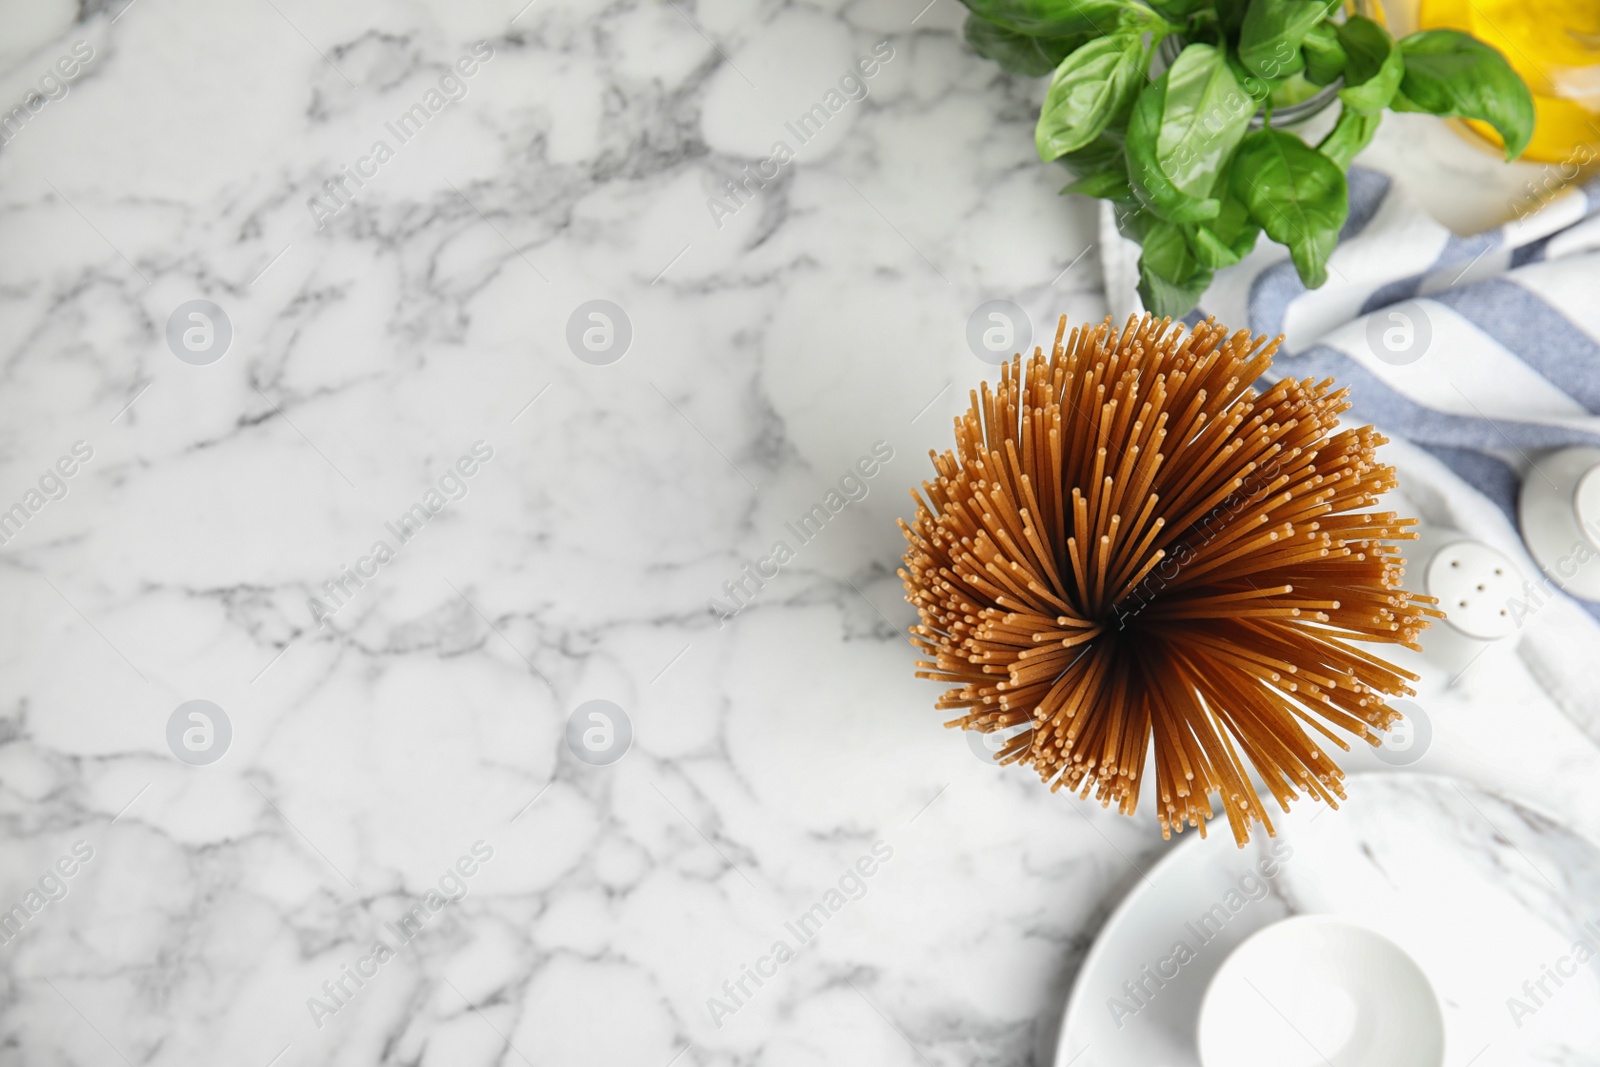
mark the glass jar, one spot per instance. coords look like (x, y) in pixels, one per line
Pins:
(1284, 114)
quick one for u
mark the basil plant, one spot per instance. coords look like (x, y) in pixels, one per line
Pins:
(1171, 143)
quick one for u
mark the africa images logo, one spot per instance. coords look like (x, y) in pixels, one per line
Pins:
(852, 488)
(340, 191)
(453, 485)
(804, 928)
(451, 887)
(741, 190)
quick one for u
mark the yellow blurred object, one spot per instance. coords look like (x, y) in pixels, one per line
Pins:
(1555, 46)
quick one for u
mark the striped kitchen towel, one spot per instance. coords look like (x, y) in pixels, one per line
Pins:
(1475, 354)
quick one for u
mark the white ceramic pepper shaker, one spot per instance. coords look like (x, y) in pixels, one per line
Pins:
(1560, 515)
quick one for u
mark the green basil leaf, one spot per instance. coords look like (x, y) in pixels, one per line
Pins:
(1089, 89)
(1230, 16)
(1270, 38)
(1099, 155)
(1176, 10)
(1214, 252)
(1203, 116)
(1133, 221)
(1142, 20)
(1018, 53)
(1057, 18)
(1349, 136)
(1149, 182)
(1258, 88)
(1226, 239)
(1107, 185)
(1375, 65)
(1455, 74)
(1295, 89)
(1171, 280)
(1325, 56)
(1295, 193)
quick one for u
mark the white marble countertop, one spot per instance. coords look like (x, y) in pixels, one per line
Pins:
(392, 339)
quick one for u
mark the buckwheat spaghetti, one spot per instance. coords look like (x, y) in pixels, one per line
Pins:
(1135, 552)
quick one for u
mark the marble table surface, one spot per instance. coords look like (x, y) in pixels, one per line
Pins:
(394, 504)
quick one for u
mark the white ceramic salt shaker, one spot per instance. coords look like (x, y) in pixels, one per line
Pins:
(1477, 587)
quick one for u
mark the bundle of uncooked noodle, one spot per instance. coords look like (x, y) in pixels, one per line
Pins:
(1133, 555)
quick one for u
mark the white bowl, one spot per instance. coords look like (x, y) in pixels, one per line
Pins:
(1317, 991)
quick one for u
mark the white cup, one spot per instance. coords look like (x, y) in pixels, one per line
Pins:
(1317, 991)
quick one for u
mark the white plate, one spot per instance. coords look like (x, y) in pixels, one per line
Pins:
(1489, 897)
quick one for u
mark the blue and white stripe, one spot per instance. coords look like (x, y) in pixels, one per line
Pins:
(1513, 368)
